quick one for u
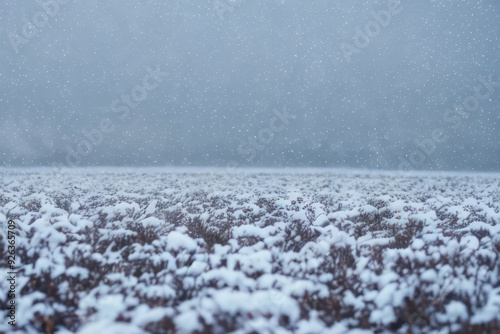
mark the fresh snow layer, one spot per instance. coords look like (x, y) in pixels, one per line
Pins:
(152, 250)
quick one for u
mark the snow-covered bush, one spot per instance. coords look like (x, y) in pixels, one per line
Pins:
(114, 251)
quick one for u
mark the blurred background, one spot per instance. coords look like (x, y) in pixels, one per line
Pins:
(229, 67)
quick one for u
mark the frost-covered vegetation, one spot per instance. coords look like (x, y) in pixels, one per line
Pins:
(152, 251)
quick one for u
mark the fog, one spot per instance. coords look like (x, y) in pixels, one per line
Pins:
(365, 84)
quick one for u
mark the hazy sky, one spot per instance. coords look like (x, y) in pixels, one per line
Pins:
(375, 84)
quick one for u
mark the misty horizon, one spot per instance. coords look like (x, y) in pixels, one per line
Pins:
(375, 85)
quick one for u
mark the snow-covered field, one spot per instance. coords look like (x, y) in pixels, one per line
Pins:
(328, 251)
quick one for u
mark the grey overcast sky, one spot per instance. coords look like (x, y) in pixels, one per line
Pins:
(370, 84)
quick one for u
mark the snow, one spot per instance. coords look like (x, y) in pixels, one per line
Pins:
(385, 296)
(361, 256)
(456, 311)
(429, 275)
(152, 222)
(108, 326)
(177, 241)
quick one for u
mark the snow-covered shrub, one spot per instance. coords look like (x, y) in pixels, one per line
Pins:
(115, 251)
